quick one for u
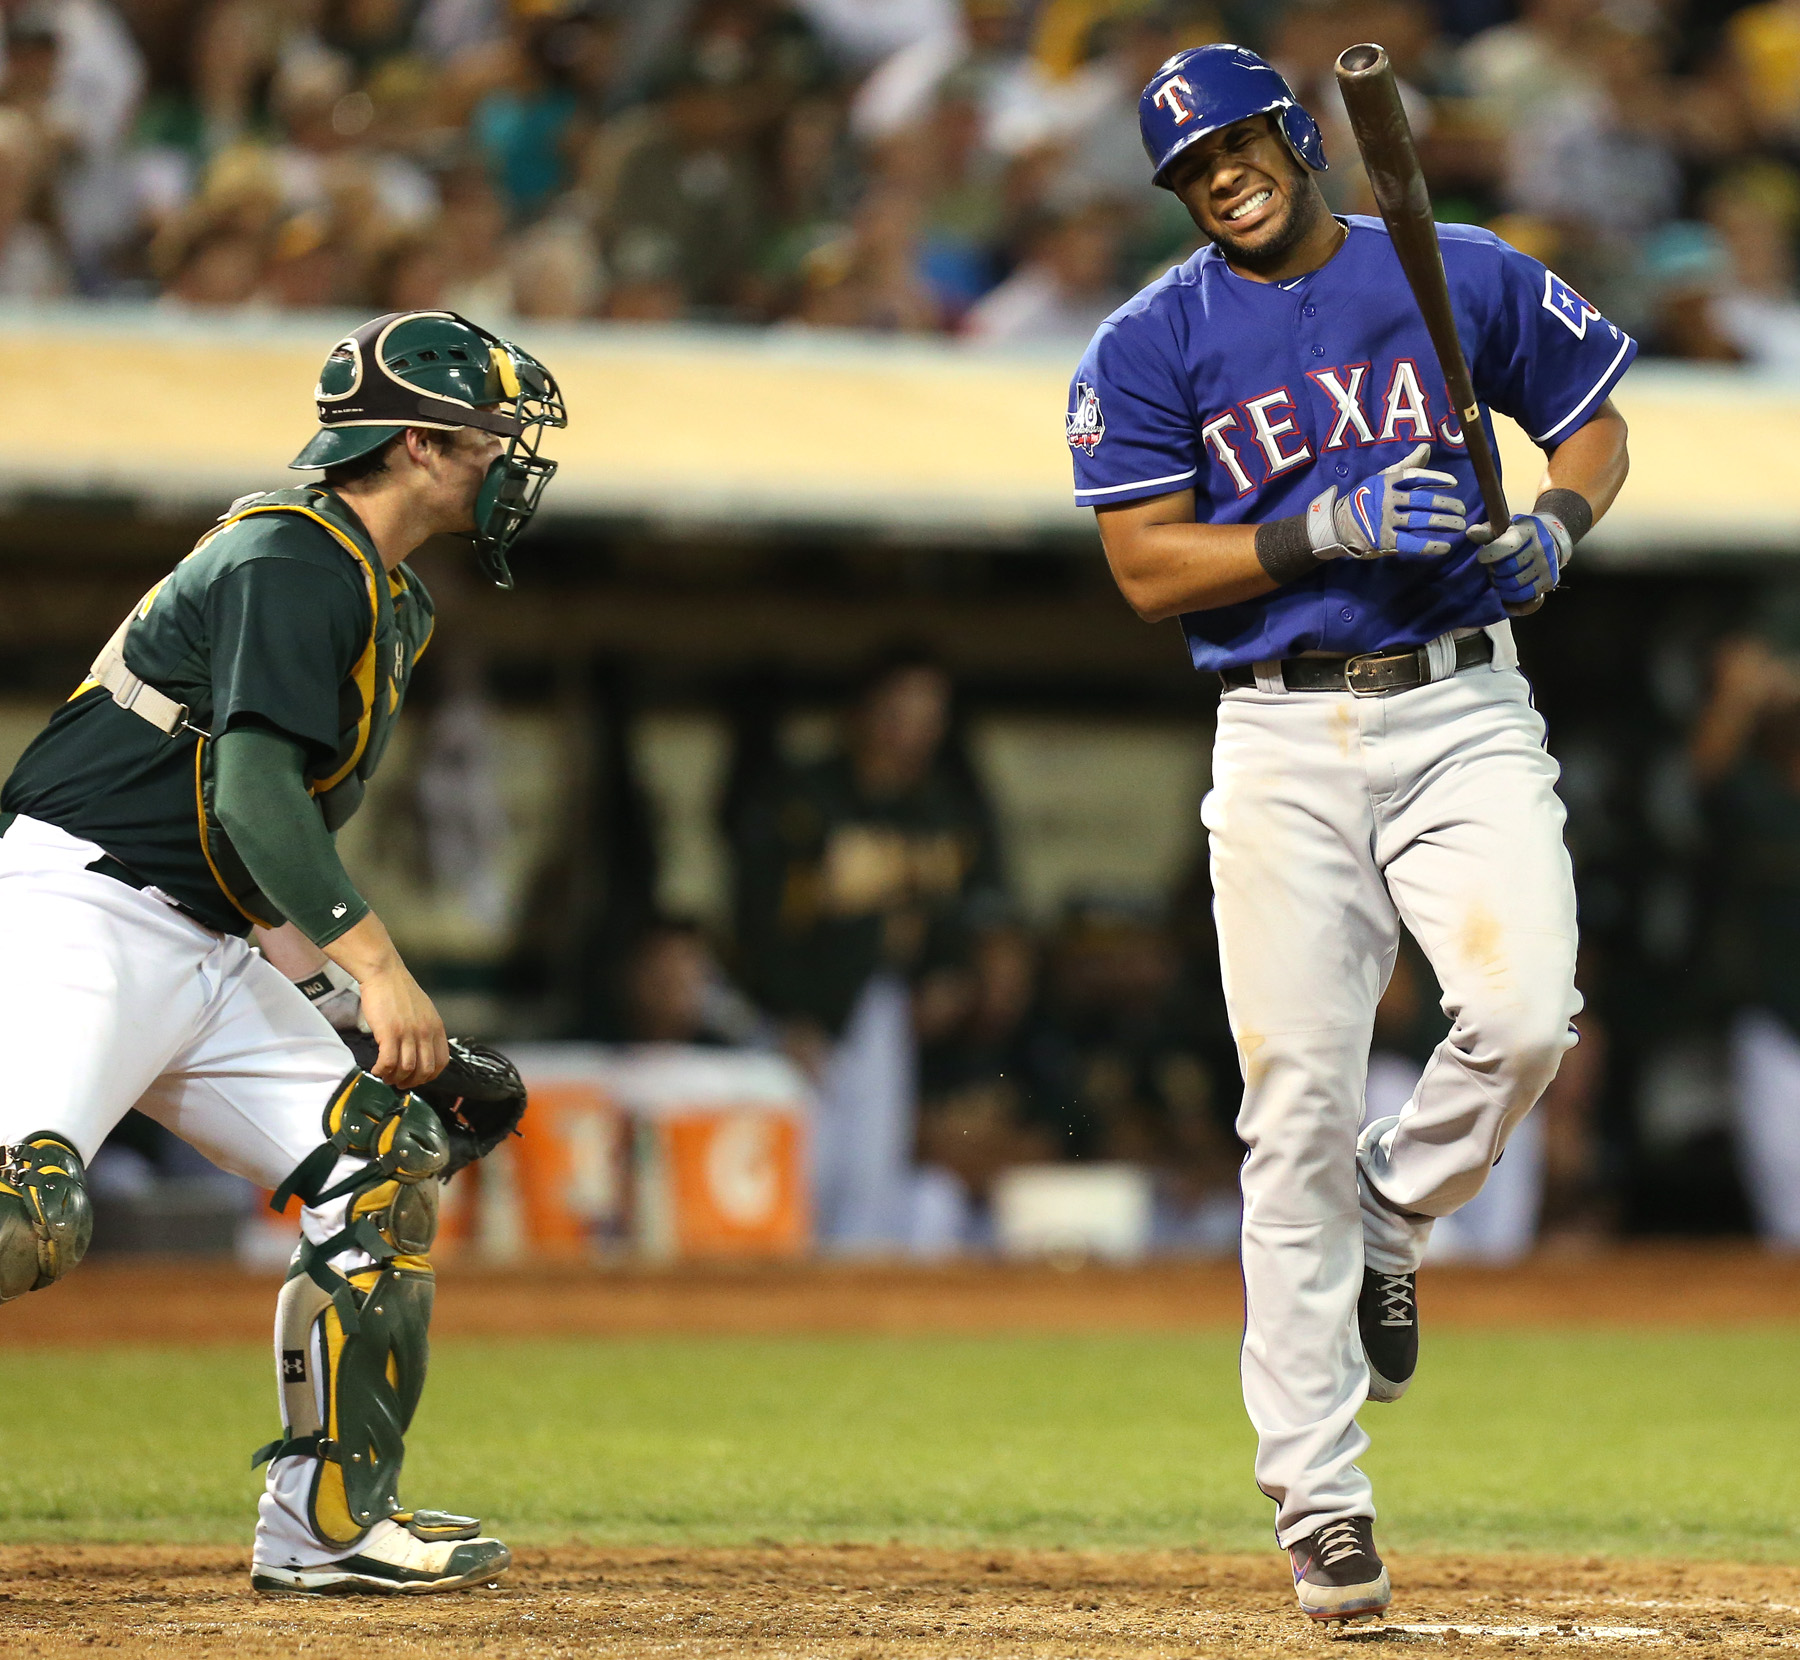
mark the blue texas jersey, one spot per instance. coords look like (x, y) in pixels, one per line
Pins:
(1257, 396)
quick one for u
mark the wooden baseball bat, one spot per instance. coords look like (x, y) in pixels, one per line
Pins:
(1384, 136)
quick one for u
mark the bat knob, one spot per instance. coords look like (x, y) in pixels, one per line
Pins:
(1361, 60)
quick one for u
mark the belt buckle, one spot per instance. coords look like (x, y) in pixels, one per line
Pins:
(1351, 667)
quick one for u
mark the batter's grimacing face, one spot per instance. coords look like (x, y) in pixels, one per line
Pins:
(1246, 192)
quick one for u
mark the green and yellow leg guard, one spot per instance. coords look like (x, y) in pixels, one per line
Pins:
(46, 1219)
(359, 1341)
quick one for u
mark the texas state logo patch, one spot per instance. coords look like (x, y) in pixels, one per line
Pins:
(1085, 424)
(1568, 307)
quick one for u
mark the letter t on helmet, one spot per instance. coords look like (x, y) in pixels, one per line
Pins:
(1199, 91)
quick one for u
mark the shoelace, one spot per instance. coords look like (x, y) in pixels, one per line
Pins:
(1336, 1540)
(1396, 1300)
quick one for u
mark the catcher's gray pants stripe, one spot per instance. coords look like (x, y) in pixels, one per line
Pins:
(1331, 817)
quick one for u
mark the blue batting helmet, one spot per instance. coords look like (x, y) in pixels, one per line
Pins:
(1199, 91)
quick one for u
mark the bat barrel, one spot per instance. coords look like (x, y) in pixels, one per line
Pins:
(1355, 62)
(1383, 134)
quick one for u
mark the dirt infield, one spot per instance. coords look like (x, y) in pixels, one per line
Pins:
(869, 1603)
(132, 1300)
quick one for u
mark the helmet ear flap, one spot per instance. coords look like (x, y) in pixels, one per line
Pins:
(1304, 138)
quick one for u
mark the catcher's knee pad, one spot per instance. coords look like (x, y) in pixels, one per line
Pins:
(351, 1349)
(46, 1219)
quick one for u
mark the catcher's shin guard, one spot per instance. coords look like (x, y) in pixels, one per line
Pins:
(351, 1347)
(46, 1219)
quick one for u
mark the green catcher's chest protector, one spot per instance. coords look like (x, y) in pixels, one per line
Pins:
(159, 662)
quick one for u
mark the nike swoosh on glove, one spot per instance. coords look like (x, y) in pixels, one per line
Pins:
(1401, 509)
(1526, 560)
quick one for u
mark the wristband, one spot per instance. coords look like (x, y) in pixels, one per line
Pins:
(334, 992)
(1571, 507)
(318, 987)
(1285, 550)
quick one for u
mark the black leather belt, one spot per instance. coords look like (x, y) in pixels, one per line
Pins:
(1373, 674)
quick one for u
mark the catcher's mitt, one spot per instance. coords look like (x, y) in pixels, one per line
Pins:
(479, 1096)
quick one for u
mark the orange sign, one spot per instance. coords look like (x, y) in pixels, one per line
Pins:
(724, 1181)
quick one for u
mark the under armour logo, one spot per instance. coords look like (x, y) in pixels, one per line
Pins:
(293, 1366)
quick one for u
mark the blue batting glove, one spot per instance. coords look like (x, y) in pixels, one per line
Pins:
(1526, 560)
(1401, 509)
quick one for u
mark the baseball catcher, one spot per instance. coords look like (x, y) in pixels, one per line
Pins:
(182, 803)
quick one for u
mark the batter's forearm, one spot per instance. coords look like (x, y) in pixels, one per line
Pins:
(1593, 461)
(1166, 568)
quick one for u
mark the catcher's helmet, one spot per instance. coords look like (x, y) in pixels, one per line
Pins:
(438, 370)
(1199, 91)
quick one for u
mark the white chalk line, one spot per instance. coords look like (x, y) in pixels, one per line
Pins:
(1568, 1632)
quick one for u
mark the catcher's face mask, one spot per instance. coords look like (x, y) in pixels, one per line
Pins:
(437, 370)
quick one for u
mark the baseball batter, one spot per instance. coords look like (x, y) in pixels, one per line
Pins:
(1265, 438)
(185, 797)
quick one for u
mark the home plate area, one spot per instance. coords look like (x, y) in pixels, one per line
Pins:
(869, 1602)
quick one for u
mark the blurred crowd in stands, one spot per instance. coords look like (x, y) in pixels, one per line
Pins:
(921, 166)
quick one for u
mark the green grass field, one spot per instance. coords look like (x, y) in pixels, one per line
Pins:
(1666, 1442)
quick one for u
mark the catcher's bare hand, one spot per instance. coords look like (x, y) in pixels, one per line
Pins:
(404, 1021)
(413, 1047)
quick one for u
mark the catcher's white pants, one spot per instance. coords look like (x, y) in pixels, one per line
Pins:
(111, 999)
(1330, 816)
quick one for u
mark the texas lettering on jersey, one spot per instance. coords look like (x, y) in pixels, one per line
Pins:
(1261, 436)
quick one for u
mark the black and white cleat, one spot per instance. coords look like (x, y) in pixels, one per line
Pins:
(1387, 1317)
(1338, 1577)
